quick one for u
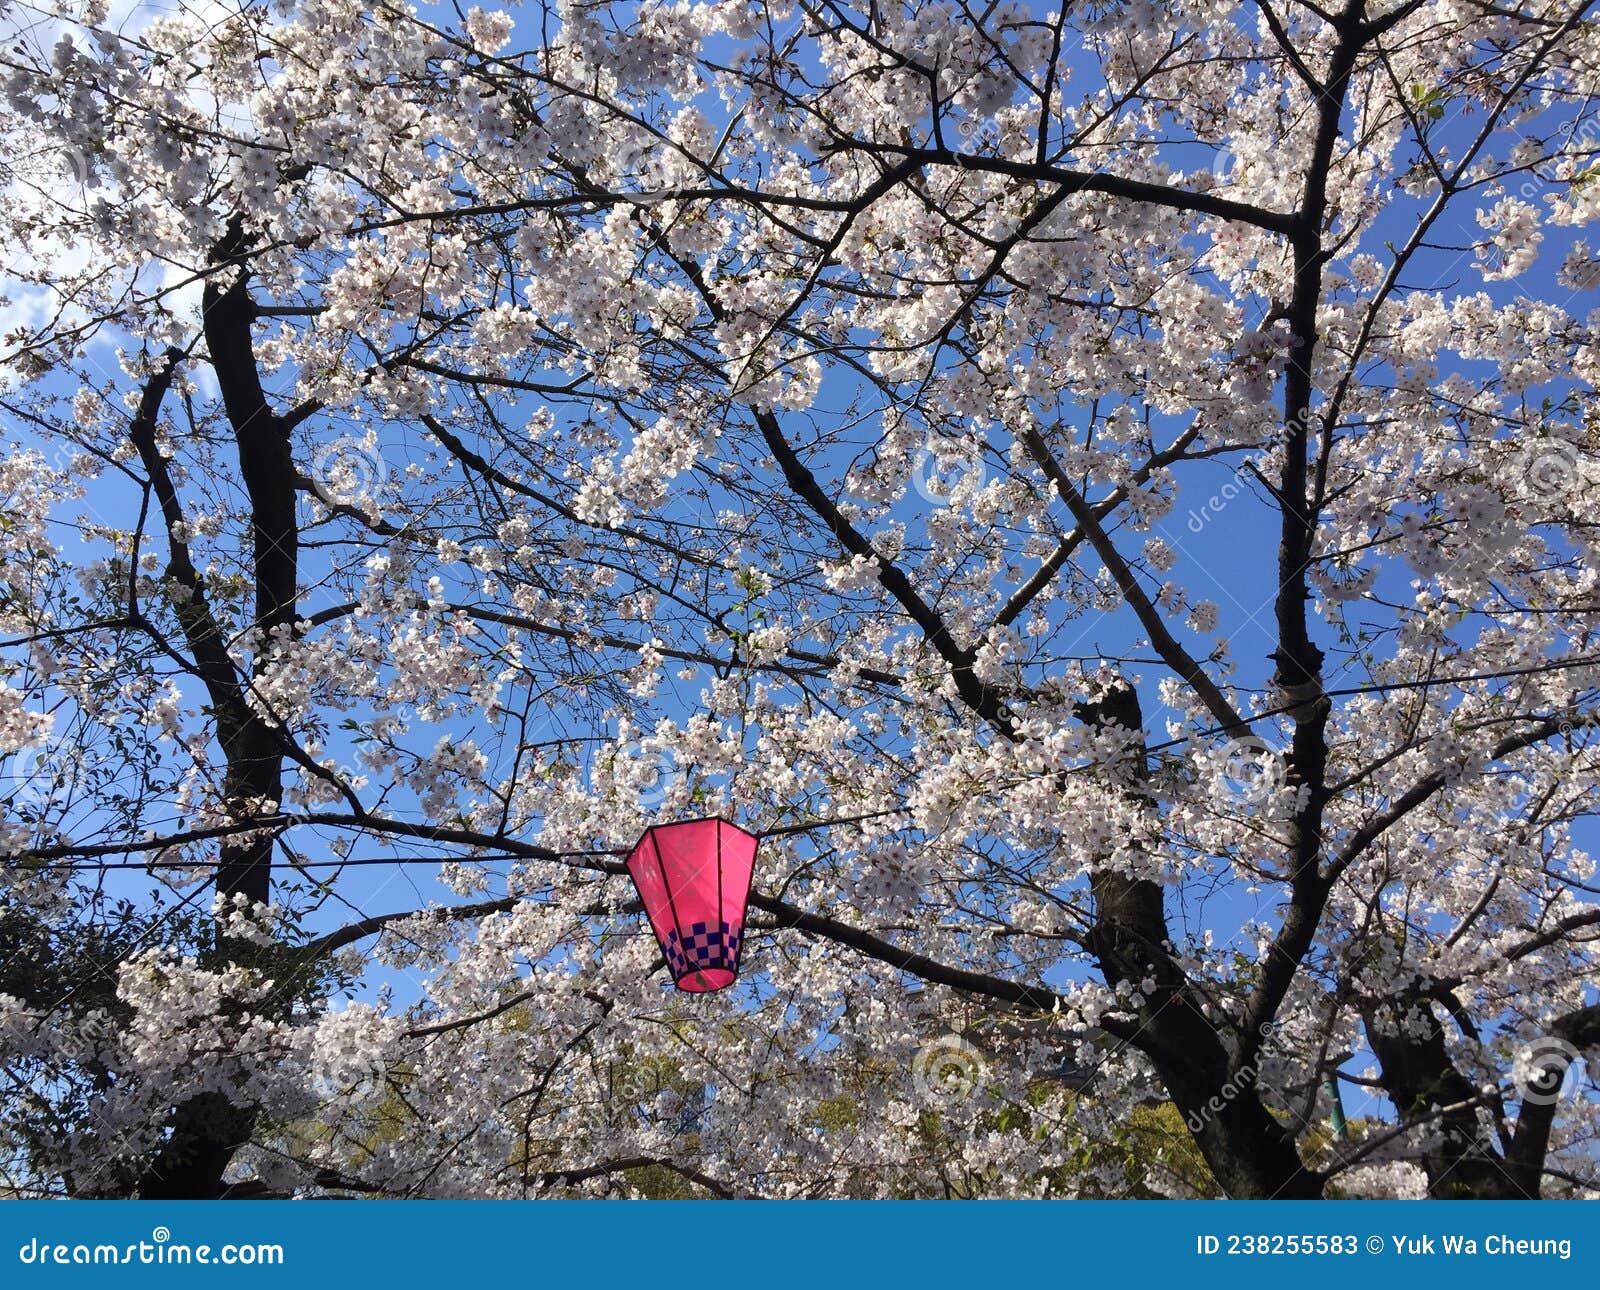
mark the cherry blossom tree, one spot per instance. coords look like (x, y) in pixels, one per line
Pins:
(1107, 490)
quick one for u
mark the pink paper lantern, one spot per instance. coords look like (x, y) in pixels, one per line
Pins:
(694, 879)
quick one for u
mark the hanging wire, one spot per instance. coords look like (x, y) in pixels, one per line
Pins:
(75, 865)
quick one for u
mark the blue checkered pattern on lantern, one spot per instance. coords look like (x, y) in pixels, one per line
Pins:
(702, 948)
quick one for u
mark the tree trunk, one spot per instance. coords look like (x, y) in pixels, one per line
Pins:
(207, 1130)
(1251, 1155)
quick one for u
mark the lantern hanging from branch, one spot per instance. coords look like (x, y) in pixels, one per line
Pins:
(694, 879)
